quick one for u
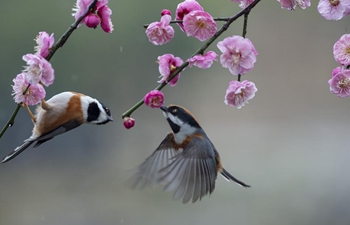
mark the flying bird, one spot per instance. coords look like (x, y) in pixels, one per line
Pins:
(186, 161)
(61, 113)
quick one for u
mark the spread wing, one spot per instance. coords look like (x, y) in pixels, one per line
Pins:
(190, 172)
(148, 172)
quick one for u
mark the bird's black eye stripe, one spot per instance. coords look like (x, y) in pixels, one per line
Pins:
(93, 112)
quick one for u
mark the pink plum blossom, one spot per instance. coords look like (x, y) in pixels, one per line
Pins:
(203, 61)
(44, 43)
(184, 8)
(239, 93)
(341, 50)
(154, 99)
(243, 3)
(100, 14)
(292, 4)
(336, 71)
(238, 54)
(333, 9)
(34, 94)
(159, 33)
(129, 122)
(340, 82)
(38, 69)
(199, 24)
(105, 13)
(167, 65)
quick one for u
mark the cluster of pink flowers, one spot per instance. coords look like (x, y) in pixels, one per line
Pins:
(37, 73)
(238, 53)
(239, 56)
(196, 23)
(340, 81)
(329, 9)
(332, 10)
(101, 14)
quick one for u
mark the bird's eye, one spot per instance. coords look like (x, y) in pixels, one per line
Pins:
(174, 110)
(108, 112)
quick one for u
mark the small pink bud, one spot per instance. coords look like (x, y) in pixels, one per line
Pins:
(154, 99)
(92, 20)
(100, 14)
(129, 122)
(165, 12)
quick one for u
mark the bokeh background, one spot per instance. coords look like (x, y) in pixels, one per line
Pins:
(291, 143)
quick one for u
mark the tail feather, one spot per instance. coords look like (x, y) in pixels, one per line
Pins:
(18, 150)
(229, 177)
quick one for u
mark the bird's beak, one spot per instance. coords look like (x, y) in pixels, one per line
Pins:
(110, 119)
(165, 111)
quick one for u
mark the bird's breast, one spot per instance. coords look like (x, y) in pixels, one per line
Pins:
(182, 142)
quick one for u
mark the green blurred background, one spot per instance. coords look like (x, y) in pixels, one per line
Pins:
(291, 143)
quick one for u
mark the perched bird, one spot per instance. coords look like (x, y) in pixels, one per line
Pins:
(186, 161)
(61, 113)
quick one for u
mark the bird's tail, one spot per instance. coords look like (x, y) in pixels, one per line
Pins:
(229, 177)
(18, 150)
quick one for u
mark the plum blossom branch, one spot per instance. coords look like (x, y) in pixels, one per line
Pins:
(181, 21)
(69, 31)
(53, 50)
(201, 50)
(244, 33)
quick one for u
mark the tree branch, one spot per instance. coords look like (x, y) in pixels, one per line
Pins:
(199, 51)
(53, 50)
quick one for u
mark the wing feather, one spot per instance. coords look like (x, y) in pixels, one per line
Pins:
(172, 176)
(204, 180)
(191, 182)
(189, 172)
(180, 191)
(198, 180)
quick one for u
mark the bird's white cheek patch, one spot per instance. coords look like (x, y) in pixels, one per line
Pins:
(175, 119)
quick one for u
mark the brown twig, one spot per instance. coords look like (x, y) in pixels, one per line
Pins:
(199, 51)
